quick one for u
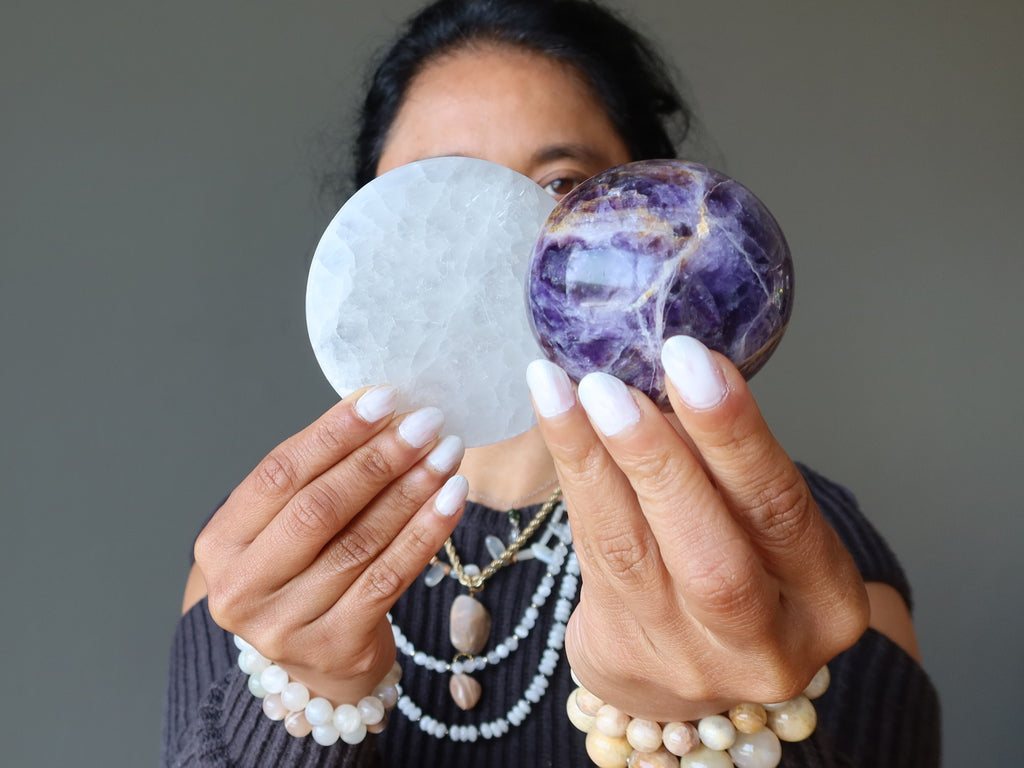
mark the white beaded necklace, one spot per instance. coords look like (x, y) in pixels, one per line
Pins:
(560, 555)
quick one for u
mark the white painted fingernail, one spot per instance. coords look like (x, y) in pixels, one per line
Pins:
(374, 404)
(447, 454)
(550, 387)
(693, 372)
(452, 495)
(608, 403)
(422, 426)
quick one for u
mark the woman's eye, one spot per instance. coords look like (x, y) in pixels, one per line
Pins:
(559, 188)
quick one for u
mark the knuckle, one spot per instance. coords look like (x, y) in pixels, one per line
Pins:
(384, 583)
(780, 512)
(375, 463)
(311, 515)
(276, 475)
(350, 551)
(726, 582)
(625, 556)
(330, 435)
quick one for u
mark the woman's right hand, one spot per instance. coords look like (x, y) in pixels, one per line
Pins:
(308, 554)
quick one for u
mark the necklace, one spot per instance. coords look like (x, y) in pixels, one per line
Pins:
(497, 504)
(469, 622)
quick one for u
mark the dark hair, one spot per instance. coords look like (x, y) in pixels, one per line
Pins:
(625, 73)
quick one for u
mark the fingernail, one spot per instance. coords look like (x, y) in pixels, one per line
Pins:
(608, 403)
(693, 372)
(446, 455)
(422, 426)
(550, 387)
(452, 495)
(374, 404)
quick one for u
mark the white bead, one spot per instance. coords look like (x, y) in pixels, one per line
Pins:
(611, 721)
(319, 711)
(274, 679)
(354, 737)
(756, 750)
(371, 710)
(325, 735)
(295, 696)
(346, 718)
(643, 735)
(717, 732)
(256, 687)
(241, 645)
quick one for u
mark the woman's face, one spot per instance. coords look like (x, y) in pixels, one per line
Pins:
(516, 108)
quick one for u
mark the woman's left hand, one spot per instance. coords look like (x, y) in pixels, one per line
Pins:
(710, 576)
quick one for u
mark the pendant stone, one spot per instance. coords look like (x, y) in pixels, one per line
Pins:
(469, 625)
(464, 690)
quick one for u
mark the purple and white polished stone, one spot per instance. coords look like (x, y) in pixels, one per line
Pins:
(418, 282)
(653, 249)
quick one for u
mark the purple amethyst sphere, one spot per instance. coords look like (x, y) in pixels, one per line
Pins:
(650, 250)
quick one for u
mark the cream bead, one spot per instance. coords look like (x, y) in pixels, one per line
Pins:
(388, 694)
(611, 722)
(819, 683)
(295, 697)
(297, 725)
(608, 751)
(578, 717)
(371, 710)
(346, 718)
(354, 737)
(643, 735)
(319, 711)
(716, 731)
(756, 750)
(325, 735)
(274, 679)
(273, 708)
(702, 757)
(256, 687)
(748, 718)
(680, 738)
(588, 703)
(659, 759)
(794, 720)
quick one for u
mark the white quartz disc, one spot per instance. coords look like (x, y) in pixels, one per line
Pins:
(419, 281)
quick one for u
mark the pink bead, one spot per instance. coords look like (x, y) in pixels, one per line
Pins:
(273, 707)
(680, 738)
(297, 725)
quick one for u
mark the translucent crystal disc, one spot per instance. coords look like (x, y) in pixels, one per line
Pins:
(419, 280)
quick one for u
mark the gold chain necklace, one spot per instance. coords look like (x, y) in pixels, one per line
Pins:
(474, 582)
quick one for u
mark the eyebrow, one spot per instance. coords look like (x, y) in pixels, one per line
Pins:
(555, 152)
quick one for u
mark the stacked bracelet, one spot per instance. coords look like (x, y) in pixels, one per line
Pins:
(290, 701)
(747, 736)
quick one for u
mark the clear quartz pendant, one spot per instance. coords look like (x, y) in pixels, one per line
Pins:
(435, 574)
(495, 546)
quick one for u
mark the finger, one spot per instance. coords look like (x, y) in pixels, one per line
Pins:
(708, 555)
(753, 474)
(609, 531)
(390, 574)
(312, 518)
(300, 459)
(354, 549)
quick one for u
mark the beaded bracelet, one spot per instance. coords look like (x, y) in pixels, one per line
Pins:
(290, 701)
(747, 736)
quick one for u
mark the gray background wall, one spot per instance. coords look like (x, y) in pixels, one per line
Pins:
(157, 211)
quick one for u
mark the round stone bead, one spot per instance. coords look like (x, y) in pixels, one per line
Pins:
(644, 735)
(295, 697)
(756, 750)
(588, 703)
(702, 757)
(346, 718)
(297, 725)
(608, 751)
(577, 716)
(274, 679)
(611, 721)
(354, 737)
(371, 710)
(394, 675)
(716, 731)
(819, 683)
(662, 758)
(256, 687)
(748, 718)
(325, 735)
(319, 711)
(273, 708)
(388, 694)
(795, 720)
(378, 727)
(680, 738)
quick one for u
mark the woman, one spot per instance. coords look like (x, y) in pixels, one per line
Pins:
(712, 572)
